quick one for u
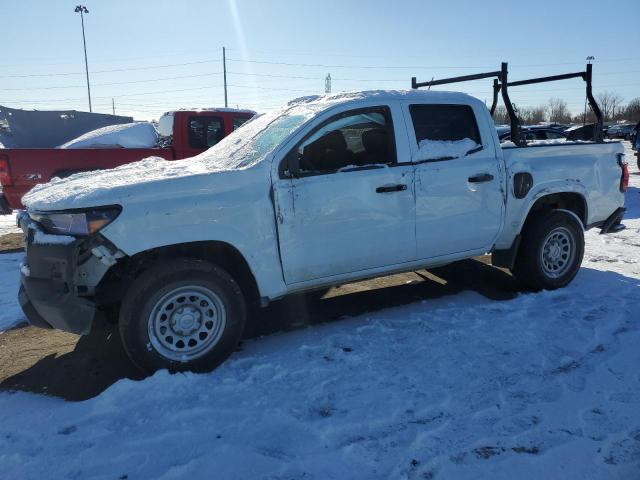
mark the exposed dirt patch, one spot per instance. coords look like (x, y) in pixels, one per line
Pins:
(11, 242)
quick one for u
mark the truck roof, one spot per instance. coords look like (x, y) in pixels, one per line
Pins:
(212, 109)
(423, 95)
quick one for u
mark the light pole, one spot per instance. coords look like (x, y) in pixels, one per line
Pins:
(82, 10)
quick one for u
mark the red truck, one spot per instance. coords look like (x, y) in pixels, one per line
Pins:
(192, 133)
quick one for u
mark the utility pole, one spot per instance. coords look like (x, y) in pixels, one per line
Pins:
(113, 105)
(584, 116)
(327, 84)
(82, 10)
(224, 70)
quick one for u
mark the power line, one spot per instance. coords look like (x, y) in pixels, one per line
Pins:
(116, 83)
(128, 69)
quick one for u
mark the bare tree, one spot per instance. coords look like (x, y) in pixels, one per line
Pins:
(558, 111)
(632, 110)
(501, 116)
(609, 102)
(531, 115)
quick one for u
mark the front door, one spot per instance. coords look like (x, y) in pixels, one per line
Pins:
(348, 204)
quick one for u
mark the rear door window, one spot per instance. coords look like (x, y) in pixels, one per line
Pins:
(553, 135)
(444, 122)
(205, 132)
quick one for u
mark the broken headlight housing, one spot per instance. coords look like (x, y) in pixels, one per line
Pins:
(77, 223)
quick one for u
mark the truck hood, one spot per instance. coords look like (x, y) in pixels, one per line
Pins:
(109, 187)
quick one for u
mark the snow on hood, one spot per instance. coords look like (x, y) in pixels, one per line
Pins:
(437, 149)
(126, 135)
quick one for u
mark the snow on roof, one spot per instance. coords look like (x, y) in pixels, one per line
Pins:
(344, 97)
(127, 135)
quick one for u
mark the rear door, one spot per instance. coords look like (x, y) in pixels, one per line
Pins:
(459, 182)
(344, 200)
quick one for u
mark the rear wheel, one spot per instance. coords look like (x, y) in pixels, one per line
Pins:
(551, 251)
(185, 314)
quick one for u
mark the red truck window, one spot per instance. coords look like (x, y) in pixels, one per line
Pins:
(205, 132)
(238, 121)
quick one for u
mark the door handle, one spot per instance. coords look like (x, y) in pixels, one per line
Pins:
(391, 188)
(482, 177)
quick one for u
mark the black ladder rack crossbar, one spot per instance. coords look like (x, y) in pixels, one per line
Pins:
(501, 83)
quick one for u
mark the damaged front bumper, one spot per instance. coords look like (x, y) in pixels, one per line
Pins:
(49, 295)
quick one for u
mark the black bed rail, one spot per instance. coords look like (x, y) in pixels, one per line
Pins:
(501, 84)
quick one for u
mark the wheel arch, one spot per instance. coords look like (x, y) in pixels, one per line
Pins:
(572, 203)
(117, 280)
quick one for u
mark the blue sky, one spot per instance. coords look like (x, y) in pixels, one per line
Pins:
(153, 56)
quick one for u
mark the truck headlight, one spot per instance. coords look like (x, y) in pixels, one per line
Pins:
(77, 223)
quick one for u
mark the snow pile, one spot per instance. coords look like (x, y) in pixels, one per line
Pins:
(10, 311)
(8, 224)
(42, 238)
(542, 386)
(441, 149)
(126, 135)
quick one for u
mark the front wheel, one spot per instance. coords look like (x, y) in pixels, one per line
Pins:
(551, 251)
(183, 314)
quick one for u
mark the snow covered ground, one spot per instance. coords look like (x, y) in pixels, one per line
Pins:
(543, 386)
(8, 224)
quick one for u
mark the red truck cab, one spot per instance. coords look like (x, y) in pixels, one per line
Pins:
(186, 133)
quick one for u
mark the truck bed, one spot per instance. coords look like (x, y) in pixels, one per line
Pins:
(587, 168)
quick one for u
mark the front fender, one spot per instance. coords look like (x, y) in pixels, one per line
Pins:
(236, 211)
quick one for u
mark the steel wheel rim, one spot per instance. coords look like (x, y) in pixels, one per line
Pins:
(186, 323)
(557, 253)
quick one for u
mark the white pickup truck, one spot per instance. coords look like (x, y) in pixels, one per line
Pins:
(325, 191)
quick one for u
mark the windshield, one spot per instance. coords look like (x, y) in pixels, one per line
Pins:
(251, 143)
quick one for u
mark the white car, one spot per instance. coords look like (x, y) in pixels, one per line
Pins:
(325, 191)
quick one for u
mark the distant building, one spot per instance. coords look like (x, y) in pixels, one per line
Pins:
(48, 129)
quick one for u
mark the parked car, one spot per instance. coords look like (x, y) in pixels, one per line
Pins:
(621, 131)
(580, 132)
(536, 133)
(323, 192)
(189, 133)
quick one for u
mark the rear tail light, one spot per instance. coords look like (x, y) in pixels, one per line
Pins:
(624, 179)
(5, 177)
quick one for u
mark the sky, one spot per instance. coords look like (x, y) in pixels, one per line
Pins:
(155, 56)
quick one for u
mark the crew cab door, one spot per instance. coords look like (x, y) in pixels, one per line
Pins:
(459, 181)
(344, 199)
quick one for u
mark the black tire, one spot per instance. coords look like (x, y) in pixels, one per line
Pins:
(533, 268)
(157, 285)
